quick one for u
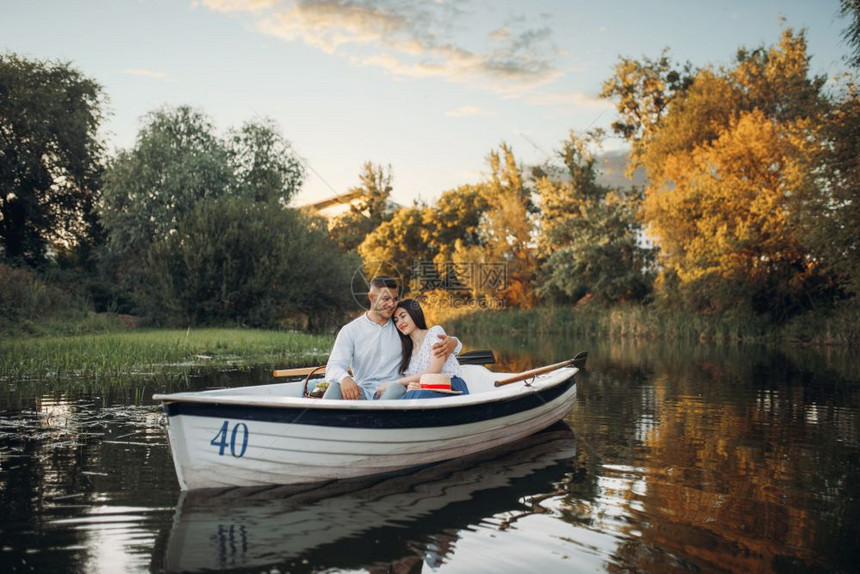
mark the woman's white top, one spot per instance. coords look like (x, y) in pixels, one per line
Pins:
(420, 361)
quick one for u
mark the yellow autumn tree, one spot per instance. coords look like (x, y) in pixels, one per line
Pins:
(433, 247)
(476, 245)
(400, 242)
(727, 160)
(723, 212)
(507, 227)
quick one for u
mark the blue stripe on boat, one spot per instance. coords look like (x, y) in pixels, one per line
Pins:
(374, 419)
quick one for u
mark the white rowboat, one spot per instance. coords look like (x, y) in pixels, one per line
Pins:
(272, 434)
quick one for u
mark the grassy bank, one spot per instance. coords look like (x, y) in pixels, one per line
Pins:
(120, 354)
(841, 327)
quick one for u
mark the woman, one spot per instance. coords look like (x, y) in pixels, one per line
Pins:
(417, 342)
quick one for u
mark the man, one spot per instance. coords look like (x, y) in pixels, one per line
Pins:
(371, 346)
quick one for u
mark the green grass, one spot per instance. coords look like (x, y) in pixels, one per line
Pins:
(118, 355)
(73, 323)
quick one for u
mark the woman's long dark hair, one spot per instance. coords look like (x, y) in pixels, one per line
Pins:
(413, 308)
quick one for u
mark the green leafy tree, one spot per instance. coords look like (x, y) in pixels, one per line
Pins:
(421, 241)
(401, 242)
(589, 234)
(178, 165)
(370, 210)
(231, 260)
(454, 231)
(264, 167)
(830, 215)
(178, 161)
(851, 9)
(454, 222)
(50, 158)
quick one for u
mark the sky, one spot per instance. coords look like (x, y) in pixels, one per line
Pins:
(429, 87)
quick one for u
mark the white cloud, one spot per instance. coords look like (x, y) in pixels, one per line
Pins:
(235, 5)
(330, 25)
(502, 33)
(467, 111)
(410, 38)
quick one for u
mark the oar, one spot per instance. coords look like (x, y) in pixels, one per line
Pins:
(578, 361)
(482, 357)
(297, 372)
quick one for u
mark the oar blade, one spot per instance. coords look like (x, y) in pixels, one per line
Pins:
(480, 357)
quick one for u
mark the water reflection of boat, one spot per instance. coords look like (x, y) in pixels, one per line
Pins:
(361, 521)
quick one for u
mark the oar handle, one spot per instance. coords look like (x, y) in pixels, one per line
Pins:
(298, 372)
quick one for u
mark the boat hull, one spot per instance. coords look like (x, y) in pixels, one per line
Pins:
(227, 440)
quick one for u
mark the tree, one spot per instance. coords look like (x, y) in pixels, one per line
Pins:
(454, 222)
(644, 91)
(423, 241)
(50, 158)
(726, 226)
(265, 169)
(177, 161)
(507, 225)
(369, 212)
(566, 192)
(695, 118)
(851, 9)
(232, 260)
(401, 241)
(829, 216)
(589, 235)
(726, 164)
(460, 273)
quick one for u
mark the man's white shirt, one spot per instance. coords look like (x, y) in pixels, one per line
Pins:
(373, 351)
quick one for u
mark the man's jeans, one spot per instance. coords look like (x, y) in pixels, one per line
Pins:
(394, 391)
(333, 392)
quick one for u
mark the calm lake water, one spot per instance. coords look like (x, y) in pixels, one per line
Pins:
(676, 458)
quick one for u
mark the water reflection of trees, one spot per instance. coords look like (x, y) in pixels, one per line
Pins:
(739, 461)
(712, 457)
(72, 470)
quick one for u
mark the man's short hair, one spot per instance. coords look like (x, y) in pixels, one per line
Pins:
(380, 282)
